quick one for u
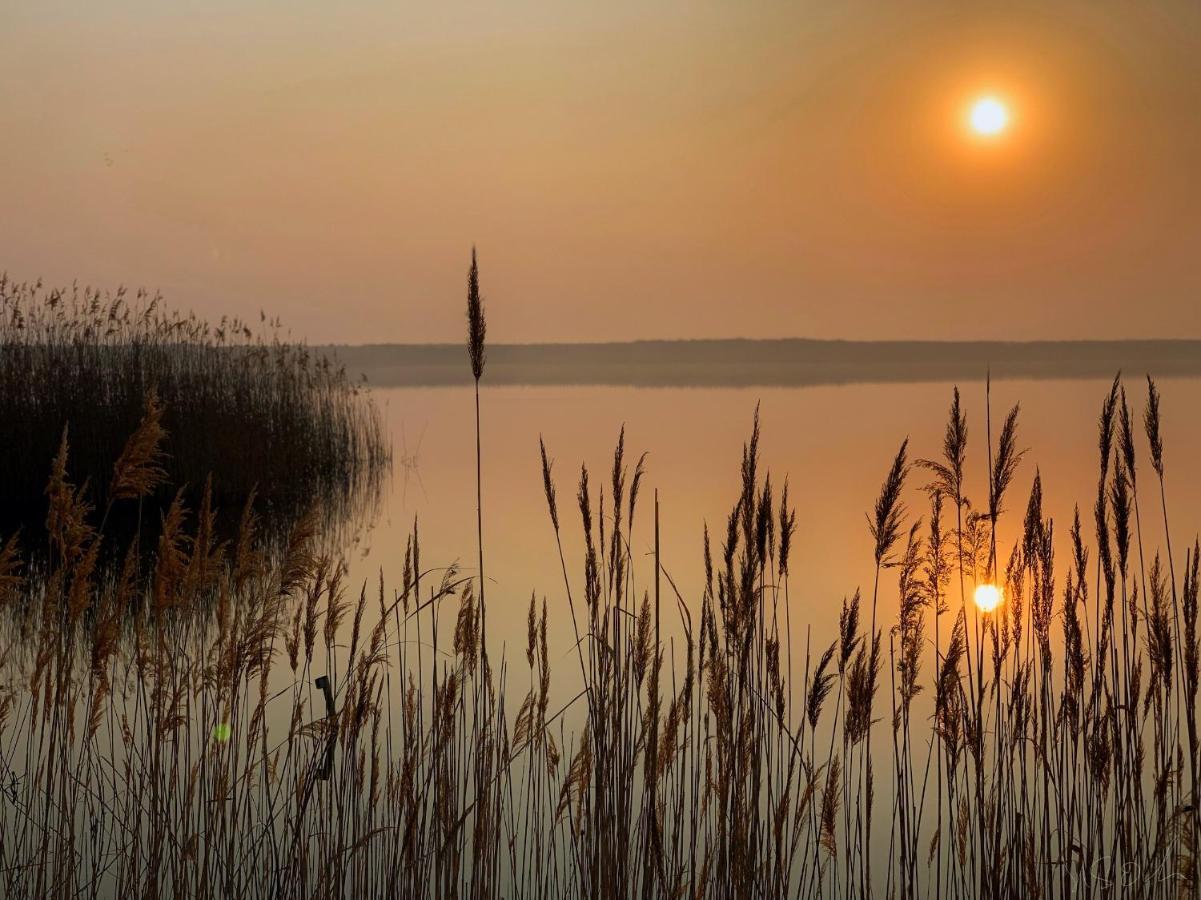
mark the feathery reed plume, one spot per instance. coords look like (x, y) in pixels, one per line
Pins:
(1160, 651)
(68, 511)
(885, 526)
(948, 472)
(467, 630)
(848, 631)
(831, 797)
(1151, 423)
(820, 686)
(787, 529)
(138, 470)
(1126, 439)
(548, 485)
(1006, 462)
(477, 327)
(911, 618)
(861, 692)
(635, 484)
(1189, 605)
(949, 685)
(1105, 429)
(1120, 503)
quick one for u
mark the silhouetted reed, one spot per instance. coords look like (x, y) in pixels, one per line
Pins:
(254, 410)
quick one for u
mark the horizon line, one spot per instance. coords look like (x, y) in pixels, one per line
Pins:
(775, 340)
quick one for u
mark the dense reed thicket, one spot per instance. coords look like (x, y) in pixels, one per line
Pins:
(255, 411)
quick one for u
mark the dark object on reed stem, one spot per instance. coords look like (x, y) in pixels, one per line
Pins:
(327, 764)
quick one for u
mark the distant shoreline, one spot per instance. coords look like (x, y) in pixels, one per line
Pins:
(753, 363)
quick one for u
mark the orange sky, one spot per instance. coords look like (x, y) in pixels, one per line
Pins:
(627, 170)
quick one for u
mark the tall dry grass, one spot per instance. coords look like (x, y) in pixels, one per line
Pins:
(260, 413)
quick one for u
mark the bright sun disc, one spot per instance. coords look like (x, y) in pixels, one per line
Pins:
(989, 116)
(988, 597)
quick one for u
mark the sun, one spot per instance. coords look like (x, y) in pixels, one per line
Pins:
(988, 116)
(988, 597)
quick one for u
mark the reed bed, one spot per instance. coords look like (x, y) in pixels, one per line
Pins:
(243, 404)
(163, 734)
(231, 720)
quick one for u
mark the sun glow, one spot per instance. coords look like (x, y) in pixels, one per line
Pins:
(988, 116)
(988, 597)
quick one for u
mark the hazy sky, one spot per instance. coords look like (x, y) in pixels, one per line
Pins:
(628, 169)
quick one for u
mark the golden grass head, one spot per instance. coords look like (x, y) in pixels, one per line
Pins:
(477, 327)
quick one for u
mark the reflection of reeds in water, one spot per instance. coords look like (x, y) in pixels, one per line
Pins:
(256, 412)
(193, 759)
